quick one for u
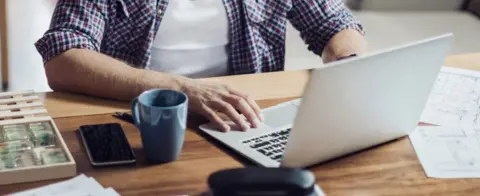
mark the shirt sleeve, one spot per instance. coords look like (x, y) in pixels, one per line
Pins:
(75, 24)
(319, 20)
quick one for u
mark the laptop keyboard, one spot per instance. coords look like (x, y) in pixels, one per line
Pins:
(271, 145)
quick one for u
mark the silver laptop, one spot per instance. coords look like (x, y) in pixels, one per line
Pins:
(347, 106)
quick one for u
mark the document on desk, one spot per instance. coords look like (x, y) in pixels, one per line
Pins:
(78, 186)
(452, 149)
(455, 99)
(448, 152)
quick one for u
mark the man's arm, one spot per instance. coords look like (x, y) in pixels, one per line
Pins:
(343, 44)
(92, 73)
(328, 28)
(70, 50)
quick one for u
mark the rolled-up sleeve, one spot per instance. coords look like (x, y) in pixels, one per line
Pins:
(75, 24)
(319, 20)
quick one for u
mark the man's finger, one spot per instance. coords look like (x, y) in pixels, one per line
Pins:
(213, 117)
(250, 102)
(228, 109)
(255, 108)
(242, 105)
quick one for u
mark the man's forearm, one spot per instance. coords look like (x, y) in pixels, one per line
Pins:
(344, 43)
(92, 73)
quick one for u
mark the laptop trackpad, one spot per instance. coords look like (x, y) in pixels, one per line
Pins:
(281, 116)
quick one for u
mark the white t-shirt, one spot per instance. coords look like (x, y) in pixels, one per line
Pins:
(192, 39)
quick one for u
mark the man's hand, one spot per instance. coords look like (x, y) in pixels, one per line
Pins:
(207, 98)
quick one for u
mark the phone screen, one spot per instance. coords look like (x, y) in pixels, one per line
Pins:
(106, 144)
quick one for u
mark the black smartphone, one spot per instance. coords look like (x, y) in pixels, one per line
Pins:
(107, 145)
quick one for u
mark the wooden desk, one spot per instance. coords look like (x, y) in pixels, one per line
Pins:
(389, 169)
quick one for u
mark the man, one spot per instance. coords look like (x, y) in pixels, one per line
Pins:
(118, 49)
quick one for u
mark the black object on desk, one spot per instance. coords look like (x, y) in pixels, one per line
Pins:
(125, 117)
(106, 144)
(262, 181)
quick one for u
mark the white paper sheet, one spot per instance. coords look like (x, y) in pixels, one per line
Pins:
(89, 187)
(319, 191)
(110, 192)
(52, 188)
(78, 186)
(448, 152)
(455, 99)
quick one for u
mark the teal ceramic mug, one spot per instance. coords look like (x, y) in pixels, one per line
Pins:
(161, 117)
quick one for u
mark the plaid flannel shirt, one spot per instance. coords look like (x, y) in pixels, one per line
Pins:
(125, 29)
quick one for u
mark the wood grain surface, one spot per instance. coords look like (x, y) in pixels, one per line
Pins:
(388, 169)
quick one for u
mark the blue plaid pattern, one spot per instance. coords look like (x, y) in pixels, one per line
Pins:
(125, 29)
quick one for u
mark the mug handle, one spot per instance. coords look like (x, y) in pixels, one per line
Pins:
(135, 112)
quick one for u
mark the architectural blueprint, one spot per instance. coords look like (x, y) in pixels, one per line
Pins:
(447, 152)
(451, 149)
(455, 99)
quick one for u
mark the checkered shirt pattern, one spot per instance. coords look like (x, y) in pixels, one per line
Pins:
(125, 29)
